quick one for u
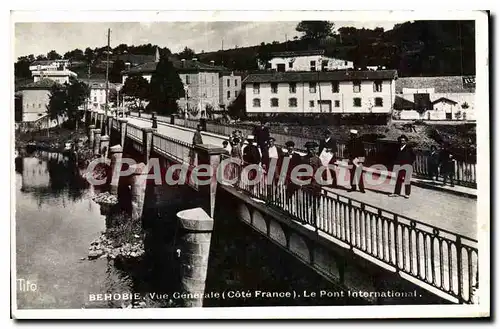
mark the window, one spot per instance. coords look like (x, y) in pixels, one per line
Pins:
(324, 65)
(311, 103)
(379, 102)
(235, 94)
(228, 94)
(313, 65)
(187, 79)
(280, 67)
(345, 63)
(213, 79)
(228, 83)
(290, 65)
(292, 102)
(377, 86)
(95, 98)
(204, 79)
(274, 102)
(256, 102)
(335, 87)
(293, 88)
(337, 103)
(256, 89)
(312, 87)
(357, 102)
(39, 105)
(236, 82)
(274, 88)
(356, 86)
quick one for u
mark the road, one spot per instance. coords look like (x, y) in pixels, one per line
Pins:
(444, 210)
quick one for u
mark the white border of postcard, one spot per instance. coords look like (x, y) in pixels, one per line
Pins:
(317, 312)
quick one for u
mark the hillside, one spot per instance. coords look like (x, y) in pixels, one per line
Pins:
(419, 48)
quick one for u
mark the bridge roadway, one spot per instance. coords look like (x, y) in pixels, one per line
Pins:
(444, 210)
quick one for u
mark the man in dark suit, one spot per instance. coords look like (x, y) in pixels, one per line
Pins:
(251, 156)
(356, 152)
(328, 141)
(447, 164)
(404, 157)
(261, 133)
(313, 189)
(290, 160)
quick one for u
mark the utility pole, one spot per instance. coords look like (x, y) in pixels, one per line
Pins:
(107, 85)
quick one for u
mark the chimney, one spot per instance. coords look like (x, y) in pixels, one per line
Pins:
(194, 59)
(212, 62)
(182, 62)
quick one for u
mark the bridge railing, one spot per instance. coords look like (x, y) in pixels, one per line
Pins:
(436, 257)
(177, 151)
(134, 132)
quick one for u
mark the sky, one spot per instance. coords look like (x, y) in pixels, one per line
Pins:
(40, 37)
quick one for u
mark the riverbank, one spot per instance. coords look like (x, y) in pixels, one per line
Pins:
(53, 139)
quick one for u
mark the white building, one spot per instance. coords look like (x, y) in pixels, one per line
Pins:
(229, 88)
(435, 98)
(309, 60)
(320, 92)
(97, 98)
(60, 76)
(50, 65)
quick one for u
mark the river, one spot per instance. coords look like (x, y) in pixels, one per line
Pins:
(56, 221)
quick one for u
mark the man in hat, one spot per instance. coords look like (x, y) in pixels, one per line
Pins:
(327, 141)
(261, 133)
(251, 156)
(404, 157)
(197, 138)
(356, 154)
(313, 189)
(273, 152)
(447, 164)
(291, 159)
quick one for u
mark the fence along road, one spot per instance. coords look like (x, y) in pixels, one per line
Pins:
(450, 212)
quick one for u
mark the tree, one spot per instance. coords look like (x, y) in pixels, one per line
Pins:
(76, 94)
(166, 88)
(53, 55)
(237, 108)
(74, 55)
(22, 66)
(57, 102)
(115, 74)
(136, 88)
(187, 53)
(89, 55)
(65, 100)
(315, 29)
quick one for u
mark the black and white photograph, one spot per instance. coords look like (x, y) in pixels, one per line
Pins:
(268, 162)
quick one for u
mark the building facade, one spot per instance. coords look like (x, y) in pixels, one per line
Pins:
(320, 92)
(60, 76)
(310, 60)
(97, 98)
(434, 98)
(201, 83)
(50, 65)
(229, 88)
(35, 99)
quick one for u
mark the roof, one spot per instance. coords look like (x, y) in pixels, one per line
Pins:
(40, 84)
(445, 84)
(100, 84)
(134, 59)
(444, 99)
(298, 53)
(294, 76)
(188, 66)
(54, 73)
(49, 62)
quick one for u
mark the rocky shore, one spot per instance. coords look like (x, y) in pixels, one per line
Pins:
(104, 247)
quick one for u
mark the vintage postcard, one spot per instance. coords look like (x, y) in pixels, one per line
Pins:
(259, 165)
